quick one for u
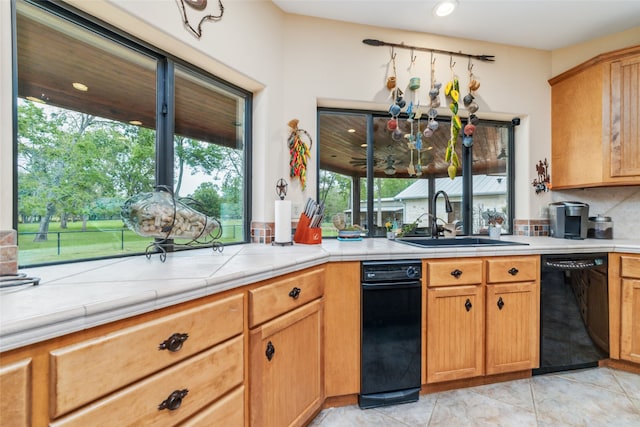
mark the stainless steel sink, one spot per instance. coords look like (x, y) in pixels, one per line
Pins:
(454, 242)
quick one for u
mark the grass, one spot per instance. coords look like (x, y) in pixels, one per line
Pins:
(102, 238)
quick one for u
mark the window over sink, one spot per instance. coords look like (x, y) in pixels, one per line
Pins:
(372, 174)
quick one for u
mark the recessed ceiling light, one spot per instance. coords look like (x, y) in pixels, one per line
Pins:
(80, 86)
(445, 8)
(363, 145)
(34, 99)
(135, 122)
(351, 131)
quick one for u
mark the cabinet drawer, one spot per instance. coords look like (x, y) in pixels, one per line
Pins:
(15, 389)
(227, 412)
(206, 377)
(454, 272)
(630, 267)
(86, 371)
(512, 269)
(281, 296)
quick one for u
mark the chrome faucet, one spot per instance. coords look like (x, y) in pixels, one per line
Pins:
(435, 231)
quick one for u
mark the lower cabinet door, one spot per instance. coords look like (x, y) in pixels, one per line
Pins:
(15, 394)
(513, 327)
(286, 368)
(455, 333)
(630, 325)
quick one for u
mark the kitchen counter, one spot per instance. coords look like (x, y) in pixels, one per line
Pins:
(77, 296)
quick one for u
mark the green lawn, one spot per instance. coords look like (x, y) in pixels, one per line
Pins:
(101, 239)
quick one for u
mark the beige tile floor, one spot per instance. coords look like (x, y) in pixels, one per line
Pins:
(590, 398)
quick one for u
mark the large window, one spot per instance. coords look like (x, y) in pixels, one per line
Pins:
(375, 174)
(102, 118)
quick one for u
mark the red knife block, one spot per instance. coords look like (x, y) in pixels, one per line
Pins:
(305, 234)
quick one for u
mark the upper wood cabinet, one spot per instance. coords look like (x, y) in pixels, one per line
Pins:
(595, 111)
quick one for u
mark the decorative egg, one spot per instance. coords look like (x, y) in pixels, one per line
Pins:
(427, 133)
(473, 107)
(433, 125)
(435, 103)
(468, 99)
(469, 129)
(392, 124)
(474, 120)
(433, 93)
(467, 141)
(394, 110)
(397, 134)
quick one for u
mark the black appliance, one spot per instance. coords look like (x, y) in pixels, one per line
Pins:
(574, 312)
(391, 301)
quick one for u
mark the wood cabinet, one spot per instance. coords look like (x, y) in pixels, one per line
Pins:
(170, 396)
(94, 368)
(624, 315)
(286, 381)
(513, 314)
(15, 393)
(489, 323)
(342, 329)
(595, 109)
(455, 320)
(159, 368)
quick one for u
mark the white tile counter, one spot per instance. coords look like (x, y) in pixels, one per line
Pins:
(72, 297)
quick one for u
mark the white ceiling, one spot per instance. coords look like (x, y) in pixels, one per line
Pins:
(540, 24)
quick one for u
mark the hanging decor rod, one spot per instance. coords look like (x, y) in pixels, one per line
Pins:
(373, 42)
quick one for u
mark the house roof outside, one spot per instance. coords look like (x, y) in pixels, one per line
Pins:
(483, 185)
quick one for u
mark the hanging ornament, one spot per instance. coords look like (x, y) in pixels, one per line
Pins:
(434, 100)
(299, 152)
(471, 107)
(452, 92)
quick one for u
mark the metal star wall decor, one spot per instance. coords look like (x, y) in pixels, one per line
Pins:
(198, 5)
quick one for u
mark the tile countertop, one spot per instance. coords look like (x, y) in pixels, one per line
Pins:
(77, 296)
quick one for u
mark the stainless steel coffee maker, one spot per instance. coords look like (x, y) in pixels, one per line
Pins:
(568, 220)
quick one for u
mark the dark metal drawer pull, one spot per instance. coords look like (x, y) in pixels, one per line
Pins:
(500, 303)
(295, 293)
(468, 305)
(173, 343)
(513, 271)
(174, 400)
(456, 273)
(270, 351)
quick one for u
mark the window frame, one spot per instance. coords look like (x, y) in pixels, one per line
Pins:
(165, 113)
(466, 167)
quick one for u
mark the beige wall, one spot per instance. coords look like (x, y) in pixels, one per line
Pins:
(6, 131)
(293, 64)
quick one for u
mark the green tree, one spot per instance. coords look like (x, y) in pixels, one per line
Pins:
(208, 198)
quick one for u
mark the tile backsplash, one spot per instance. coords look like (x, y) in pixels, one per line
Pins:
(8, 252)
(622, 204)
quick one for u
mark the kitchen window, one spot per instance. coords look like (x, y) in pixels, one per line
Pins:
(373, 175)
(102, 117)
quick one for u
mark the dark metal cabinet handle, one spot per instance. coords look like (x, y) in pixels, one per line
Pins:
(500, 303)
(270, 351)
(513, 271)
(174, 400)
(468, 305)
(456, 273)
(173, 343)
(295, 292)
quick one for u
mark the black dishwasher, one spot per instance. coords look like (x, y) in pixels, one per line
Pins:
(391, 299)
